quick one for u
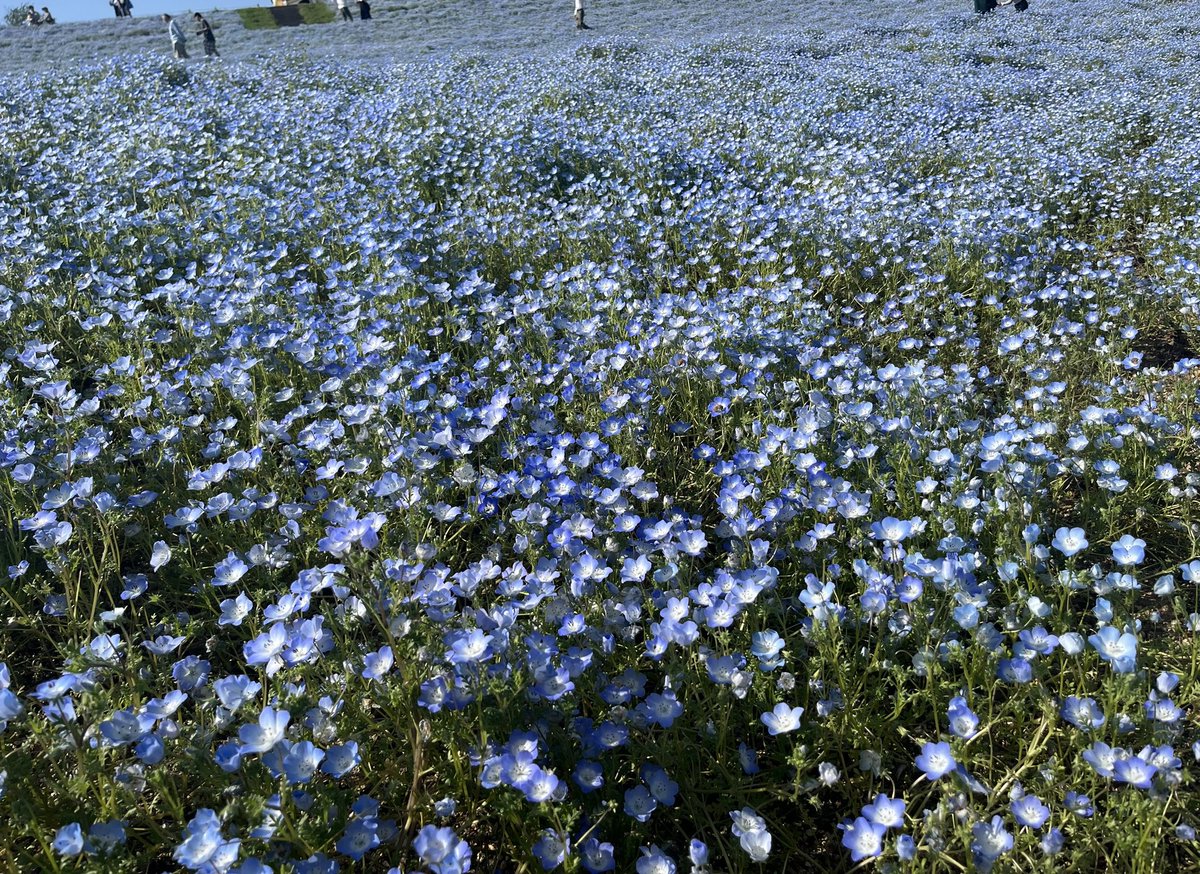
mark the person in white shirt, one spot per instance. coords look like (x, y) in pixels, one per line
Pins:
(344, 6)
(579, 24)
(178, 40)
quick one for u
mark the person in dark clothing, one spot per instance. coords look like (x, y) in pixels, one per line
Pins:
(47, 18)
(984, 7)
(364, 10)
(118, 8)
(580, 24)
(1021, 5)
(205, 32)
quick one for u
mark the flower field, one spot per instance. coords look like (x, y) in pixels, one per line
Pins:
(774, 453)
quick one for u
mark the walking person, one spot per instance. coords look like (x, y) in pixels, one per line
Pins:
(205, 32)
(364, 10)
(178, 40)
(579, 22)
(344, 8)
(118, 8)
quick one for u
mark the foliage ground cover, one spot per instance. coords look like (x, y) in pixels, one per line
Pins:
(260, 18)
(762, 454)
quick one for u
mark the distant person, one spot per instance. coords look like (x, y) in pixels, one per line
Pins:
(344, 7)
(364, 10)
(127, 5)
(1021, 5)
(985, 7)
(205, 32)
(32, 18)
(579, 23)
(178, 40)
(47, 18)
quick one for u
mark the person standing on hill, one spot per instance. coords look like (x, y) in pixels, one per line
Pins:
(205, 32)
(579, 22)
(364, 10)
(178, 40)
(47, 18)
(118, 8)
(344, 8)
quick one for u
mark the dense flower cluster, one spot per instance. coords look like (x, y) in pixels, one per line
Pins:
(728, 457)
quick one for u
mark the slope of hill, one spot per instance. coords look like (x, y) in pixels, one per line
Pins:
(402, 29)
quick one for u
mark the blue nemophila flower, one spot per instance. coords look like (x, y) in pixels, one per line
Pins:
(1129, 551)
(163, 644)
(990, 840)
(1101, 757)
(1016, 670)
(126, 727)
(1134, 770)
(204, 848)
(863, 838)
(468, 647)
(229, 570)
(597, 856)
(661, 786)
(135, 585)
(639, 803)
(301, 762)
(936, 760)
(1070, 541)
(234, 691)
(191, 672)
(654, 861)
(1029, 811)
(377, 664)
(360, 837)
(963, 721)
(442, 850)
(588, 775)
(661, 709)
(68, 841)
(782, 719)
(751, 831)
(1078, 804)
(1052, 842)
(159, 555)
(235, 610)
(266, 649)
(1117, 648)
(340, 760)
(551, 849)
(886, 812)
(1082, 713)
(262, 736)
(105, 837)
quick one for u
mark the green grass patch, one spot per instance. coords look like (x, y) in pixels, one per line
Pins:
(259, 18)
(264, 18)
(316, 13)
